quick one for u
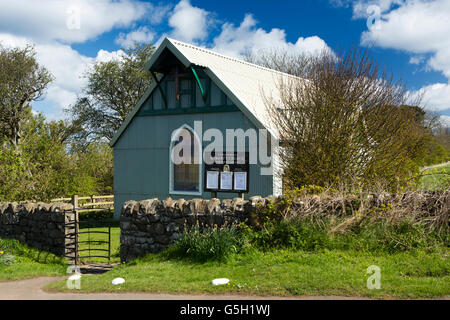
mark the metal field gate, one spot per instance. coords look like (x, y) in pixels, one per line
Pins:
(82, 243)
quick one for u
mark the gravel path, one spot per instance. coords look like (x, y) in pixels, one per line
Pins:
(436, 166)
(31, 289)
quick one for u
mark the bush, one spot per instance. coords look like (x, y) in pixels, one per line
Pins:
(360, 235)
(288, 234)
(105, 215)
(6, 259)
(201, 245)
(12, 247)
(309, 219)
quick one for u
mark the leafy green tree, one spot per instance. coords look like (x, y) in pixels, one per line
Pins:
(113, 89)
(47, 167)
(22, 81)
(94, 168)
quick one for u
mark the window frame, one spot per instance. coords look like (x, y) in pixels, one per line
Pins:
(173, 140)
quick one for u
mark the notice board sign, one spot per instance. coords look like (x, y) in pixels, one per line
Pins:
(227, 172)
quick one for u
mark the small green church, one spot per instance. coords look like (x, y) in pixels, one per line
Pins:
(194, 87)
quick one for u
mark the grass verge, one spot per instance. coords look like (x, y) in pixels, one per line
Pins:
(28, 262)
(282, 273)
(436, 179)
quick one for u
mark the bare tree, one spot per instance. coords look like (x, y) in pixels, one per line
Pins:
(22, 81)
(343, 119)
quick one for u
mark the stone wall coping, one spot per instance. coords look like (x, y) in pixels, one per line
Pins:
(188, 207)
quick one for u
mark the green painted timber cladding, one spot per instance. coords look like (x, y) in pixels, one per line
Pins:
(141, 156)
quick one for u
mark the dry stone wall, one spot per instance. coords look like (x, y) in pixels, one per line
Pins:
(38, 225)
(150, 226)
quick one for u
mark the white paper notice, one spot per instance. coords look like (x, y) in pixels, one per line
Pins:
(212, 180)
(226, 180)
(240, 181)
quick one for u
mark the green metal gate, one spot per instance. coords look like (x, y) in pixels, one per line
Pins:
(79, 250)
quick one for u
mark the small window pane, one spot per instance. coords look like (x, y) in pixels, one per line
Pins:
(186, 84)
(198, 93)
(171, 95)
(185, 98)
(216, 95)
(185, 101)
(157, 100)
(186, 175)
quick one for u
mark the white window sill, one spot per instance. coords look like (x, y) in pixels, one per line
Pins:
(185, 193)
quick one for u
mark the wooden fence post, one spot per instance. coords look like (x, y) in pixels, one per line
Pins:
(75, 201)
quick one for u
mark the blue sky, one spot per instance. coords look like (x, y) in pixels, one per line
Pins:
(411, 37)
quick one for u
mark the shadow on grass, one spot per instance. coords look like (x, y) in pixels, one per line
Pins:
(14, 247)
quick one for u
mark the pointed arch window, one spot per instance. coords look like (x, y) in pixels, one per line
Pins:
(185, 162)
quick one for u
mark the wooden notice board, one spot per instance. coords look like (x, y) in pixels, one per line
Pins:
(227, 172)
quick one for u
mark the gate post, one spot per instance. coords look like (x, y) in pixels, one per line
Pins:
(76, 234)
(75, 201)
(75, 210)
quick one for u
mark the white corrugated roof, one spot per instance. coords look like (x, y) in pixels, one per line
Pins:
(245, 83)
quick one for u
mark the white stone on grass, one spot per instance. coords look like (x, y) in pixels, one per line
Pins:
(221, 281)
(75, 277)
(117, 281)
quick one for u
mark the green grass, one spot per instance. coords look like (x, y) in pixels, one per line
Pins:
(417, 273)
(282, 273)
(29, 263)
(115, 244)
(436, 179)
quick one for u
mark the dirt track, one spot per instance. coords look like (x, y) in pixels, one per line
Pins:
(436, 166)
(32, 290)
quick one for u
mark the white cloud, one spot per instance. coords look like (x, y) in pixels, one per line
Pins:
(445, 121)
(69, 21)
(247, 38)
(105, 56)
(66, 65)
(436, 97)
(189, 23)
(140, 35)
(157, 14)
(419, 27)
(366, 8)
(416, 60)
(52, 25)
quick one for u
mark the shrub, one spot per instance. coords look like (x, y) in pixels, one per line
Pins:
(12, 247)
(97, 216)
(335, 220)
(201, 245)
(288, 234)
(6, 259)
(328, 233)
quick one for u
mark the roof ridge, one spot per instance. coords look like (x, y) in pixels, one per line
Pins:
(231, 58)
